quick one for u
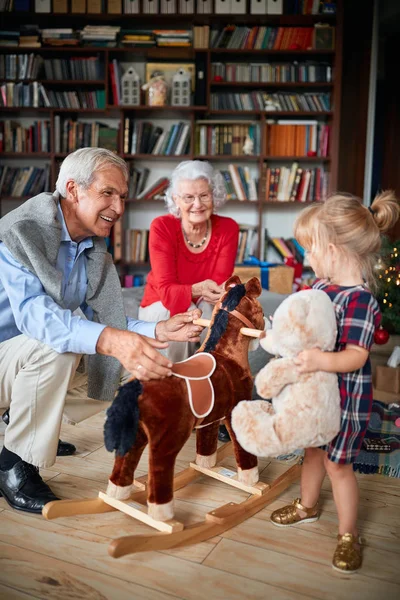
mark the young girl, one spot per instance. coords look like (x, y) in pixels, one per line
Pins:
(342, 237)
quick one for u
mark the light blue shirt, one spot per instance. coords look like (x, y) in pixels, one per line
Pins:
(26, 308)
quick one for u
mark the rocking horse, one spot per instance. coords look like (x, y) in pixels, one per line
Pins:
(163, 413)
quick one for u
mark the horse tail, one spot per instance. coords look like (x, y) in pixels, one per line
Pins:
(121, 426)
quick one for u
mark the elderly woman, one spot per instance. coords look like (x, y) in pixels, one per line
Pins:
(192, 250)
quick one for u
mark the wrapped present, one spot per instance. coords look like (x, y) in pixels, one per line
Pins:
(387, 379)
(245, 273)
(275, 277)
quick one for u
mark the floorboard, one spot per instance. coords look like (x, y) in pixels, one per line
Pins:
(67, 559)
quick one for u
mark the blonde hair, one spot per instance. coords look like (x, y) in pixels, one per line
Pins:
(353, 228)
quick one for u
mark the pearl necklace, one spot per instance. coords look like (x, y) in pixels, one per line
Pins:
(200, 244)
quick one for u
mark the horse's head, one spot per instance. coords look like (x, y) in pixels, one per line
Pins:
(239, 300)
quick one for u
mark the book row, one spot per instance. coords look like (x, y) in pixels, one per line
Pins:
(231, 139)
(259, 100)
(20, 66)
(288, 72)
(18, 182)
(231, 37)
(70, 135)
(35, 95)
(238, 37)
(143, 137)
(14, 137)
(295, 184)
(182, 7)
(240, 184)
(136, 247)
(283, 248)
(247, 244)
(74, 68)
(31, 66)
(301, 138)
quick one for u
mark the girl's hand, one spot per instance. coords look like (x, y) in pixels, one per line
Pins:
(309, 361)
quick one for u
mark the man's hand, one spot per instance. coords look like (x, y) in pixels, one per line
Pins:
(137, 353)
(309, 361)
(180, 328)
(209, 290)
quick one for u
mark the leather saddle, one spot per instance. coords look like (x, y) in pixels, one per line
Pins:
(196, 371)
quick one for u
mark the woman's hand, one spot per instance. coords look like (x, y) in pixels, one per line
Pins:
(180, 328)
(209, 290)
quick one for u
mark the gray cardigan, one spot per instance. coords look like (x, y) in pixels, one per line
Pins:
(32, 233)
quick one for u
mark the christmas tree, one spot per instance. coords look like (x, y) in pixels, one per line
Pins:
(388, 295)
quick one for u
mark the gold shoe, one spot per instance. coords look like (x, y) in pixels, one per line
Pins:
(347, 558)
(288, 515)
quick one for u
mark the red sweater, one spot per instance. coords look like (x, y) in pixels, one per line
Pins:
(174, 269)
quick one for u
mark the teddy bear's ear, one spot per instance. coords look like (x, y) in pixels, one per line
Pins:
(232, 281)
(253, 287)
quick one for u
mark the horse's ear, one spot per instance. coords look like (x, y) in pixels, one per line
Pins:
(253, 287)
(234, 280)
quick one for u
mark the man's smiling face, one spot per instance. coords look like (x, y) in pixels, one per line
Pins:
(99, 207)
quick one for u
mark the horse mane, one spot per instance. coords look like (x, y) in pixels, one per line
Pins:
(220, 323)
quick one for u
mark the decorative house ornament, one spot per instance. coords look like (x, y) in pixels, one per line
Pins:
(181, 88)
(157, 90)
(130, 87)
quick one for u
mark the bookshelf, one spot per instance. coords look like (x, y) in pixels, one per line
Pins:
(210, 106)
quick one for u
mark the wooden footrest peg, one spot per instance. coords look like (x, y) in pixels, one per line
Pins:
(139, 511)
(231, 478)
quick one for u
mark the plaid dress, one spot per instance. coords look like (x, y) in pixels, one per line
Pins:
(358, 315)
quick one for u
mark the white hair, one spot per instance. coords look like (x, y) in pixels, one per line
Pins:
(82, 165)
(195, 169)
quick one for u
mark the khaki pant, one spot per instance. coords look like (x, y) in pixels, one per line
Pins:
(176, 351)
(41, 387)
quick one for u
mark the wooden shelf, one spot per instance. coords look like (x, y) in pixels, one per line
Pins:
(200, 19)
(73, 82)
(158, 156)
(267, 84)
(272, 113)
(32, 155)
(190, 114)
(159, 108)
(286, 53)
(51, 109)
(309, 159)
(227, 157)
(287, 203)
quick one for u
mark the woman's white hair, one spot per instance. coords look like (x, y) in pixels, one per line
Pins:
(195, 169)
(82, 165)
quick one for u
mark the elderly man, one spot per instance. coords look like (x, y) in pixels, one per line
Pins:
(53, 260)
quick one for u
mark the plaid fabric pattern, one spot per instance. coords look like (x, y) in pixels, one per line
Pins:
(358, 315)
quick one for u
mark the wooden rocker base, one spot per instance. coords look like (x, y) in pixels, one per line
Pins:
(172, 534)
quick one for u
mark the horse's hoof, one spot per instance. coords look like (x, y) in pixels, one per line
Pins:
(206, 462)
(161, 512)
(119, 492)
(248, 476)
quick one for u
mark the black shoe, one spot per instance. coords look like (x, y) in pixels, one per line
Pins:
(63, 449)
(223, 434)
(24, 489)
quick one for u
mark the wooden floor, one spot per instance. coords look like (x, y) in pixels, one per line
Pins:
(66, 559)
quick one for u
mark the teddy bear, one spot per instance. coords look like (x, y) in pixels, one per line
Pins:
(305, 408)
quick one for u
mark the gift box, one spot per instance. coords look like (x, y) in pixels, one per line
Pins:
(387, 379)
(246, 273)
(274, 277)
